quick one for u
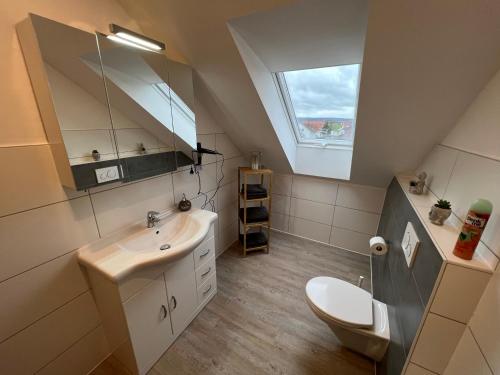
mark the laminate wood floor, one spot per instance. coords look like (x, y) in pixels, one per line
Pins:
(259, 321)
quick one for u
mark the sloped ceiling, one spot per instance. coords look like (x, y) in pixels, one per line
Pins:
(198, 29)
(424, 62)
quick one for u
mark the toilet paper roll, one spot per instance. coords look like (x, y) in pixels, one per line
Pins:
(378, 246)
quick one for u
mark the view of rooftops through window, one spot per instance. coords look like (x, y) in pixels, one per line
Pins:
(322, 103)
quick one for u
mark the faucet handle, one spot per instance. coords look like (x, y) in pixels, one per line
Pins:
(153, 214)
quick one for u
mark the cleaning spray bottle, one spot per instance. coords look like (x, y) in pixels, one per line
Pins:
(473, 227)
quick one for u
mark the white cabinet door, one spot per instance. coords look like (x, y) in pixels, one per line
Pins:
(149, 324)
(181, 289)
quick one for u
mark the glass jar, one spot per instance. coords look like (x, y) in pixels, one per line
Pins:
(256, 159)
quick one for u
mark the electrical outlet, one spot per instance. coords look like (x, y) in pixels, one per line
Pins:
(107, 174)
(410, 244)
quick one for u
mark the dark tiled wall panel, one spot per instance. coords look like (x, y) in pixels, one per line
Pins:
(405, 291)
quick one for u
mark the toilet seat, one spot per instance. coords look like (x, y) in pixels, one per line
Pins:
(341, 301)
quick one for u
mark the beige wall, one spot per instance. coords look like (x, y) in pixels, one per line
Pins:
(478, 130)
(340, 214)
(48, 319)
(467, 170)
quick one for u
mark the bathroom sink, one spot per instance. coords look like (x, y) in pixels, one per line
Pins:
(175, 230)
(136, 247)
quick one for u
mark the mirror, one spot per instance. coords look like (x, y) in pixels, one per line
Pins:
(111, 112)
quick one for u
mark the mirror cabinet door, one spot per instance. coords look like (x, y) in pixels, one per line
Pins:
(111, 111)
(81, 130)
(183, 111)
(140, 106)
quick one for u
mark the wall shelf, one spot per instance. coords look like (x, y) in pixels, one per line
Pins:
(254, 217)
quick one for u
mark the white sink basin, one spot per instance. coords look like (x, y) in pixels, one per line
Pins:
(137, 246)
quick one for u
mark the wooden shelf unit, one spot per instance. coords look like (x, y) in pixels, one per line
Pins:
(243, 175)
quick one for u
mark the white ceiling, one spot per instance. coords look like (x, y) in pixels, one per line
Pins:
(311, 34)
(424, 62)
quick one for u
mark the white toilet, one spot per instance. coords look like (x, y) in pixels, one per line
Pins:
(359, 321)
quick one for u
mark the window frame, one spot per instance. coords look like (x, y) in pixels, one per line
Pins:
(280, 81)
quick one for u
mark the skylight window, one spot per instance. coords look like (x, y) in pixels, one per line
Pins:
(322, 103)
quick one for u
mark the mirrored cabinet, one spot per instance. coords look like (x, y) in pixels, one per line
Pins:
(111, 112)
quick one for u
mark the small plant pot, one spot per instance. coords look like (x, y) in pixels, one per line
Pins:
(438, 215)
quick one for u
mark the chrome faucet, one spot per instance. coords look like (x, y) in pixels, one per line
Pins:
(152, 218)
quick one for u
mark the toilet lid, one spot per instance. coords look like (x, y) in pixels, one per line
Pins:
(341, 301)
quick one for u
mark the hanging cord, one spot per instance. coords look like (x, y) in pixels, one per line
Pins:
(211, 201)
(197, 172)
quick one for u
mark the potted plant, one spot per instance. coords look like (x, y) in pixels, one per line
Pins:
(440, 212)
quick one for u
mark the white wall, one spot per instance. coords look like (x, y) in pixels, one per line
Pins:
(48, 319)
(341, 214)
(478, 130)
(268, 94)
(460, 174)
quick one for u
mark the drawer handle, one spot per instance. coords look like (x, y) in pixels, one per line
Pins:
(205, 253)
(174, 303)
(208, 290)
(206, 273)
(164, 312)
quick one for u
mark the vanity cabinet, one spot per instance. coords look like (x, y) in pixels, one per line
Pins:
(181, 290)
(146, 311)
(149, 324)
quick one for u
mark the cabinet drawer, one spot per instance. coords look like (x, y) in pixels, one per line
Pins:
(204, 252)
(207, 289)
(204, 272)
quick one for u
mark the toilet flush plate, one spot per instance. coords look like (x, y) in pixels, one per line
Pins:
(410, 244)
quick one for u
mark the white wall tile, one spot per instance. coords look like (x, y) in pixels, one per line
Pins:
(186, 183)
(457, 299)
(365, 198)
(228, 236)
(350, 240)
(280, 204)
(356, 220)
(438, 165)
(43, 341)
(476, 177)
(33, 237)
(313, 211)
(81, 143)
(125, 205)
(80, 358)
(485, 323)
(487, 255)
(314, 189)
(467, 358)
(416, 370)
(207, 141)
(228, 194)
(228, 216)
(202, 200)
(129, 140)
(280, 222)
(282, 184)
(30, 179)
(230, 169)
(436, 343)
(310, 229)
(35, 293)
(225, 146)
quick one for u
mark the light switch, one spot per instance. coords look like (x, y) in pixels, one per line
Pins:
(410, 244)
(107, 174)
